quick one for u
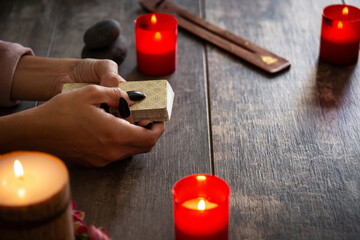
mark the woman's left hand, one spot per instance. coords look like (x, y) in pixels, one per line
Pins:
(39, 78)
(104, 72)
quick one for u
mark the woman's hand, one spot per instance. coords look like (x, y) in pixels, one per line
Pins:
(104, 72)
(39, 78)
(73, 127)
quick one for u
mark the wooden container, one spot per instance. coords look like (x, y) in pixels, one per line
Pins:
(37, 204)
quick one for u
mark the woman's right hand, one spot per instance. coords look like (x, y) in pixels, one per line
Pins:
(73, 127)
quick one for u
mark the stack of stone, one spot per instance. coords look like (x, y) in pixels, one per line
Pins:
(103, 40)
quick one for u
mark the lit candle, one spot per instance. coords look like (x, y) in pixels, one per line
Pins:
(156, 39)
(34, 197)
(201, 208)
(340, 34)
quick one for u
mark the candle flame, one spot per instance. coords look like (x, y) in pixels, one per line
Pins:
(345, 11)
(201, 178)
(153, 19)
(157, 36)
(18, 169)
(340, 25)
(201, 205)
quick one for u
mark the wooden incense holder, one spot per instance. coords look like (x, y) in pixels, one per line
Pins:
(222, 38)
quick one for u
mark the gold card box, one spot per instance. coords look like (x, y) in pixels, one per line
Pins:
(156, 106)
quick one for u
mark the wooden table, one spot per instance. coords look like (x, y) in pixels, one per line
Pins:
(287, 144)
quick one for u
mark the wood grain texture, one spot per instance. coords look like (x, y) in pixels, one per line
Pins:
(288, 145)
(132, 199)
(29, 23)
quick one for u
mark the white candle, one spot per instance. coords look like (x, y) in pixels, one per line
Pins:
(34, 194)
(43, 176)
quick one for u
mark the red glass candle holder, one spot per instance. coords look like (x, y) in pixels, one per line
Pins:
(156, 40)
(201, 208)
(340, 34)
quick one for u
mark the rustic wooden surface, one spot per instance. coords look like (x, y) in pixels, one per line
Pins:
(288, 144)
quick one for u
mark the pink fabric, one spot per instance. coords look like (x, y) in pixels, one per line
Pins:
(10, 54)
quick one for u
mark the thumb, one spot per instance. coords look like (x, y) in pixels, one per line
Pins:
(111, 80)
(107, 70)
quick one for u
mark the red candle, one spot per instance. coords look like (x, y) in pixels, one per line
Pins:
(340, 34)
(201, 208)
(156, 39)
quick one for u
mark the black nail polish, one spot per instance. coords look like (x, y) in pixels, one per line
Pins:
(105, 107)
(124, 109)
(136, 95)
(149, 125)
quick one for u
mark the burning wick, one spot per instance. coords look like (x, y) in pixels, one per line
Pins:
(201, 178)
(201, 205)
(153, 19)
(18, 170)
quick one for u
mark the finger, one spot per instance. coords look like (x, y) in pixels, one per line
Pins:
(158, 129)
(96, 95)
(133, 96)
(124, 110)
(146, 124)
(111, 100)
(105, 107)
(92, 70)
(111, 80)
(145, 138)
(107, 70)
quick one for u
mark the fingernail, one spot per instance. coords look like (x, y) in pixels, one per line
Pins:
(149, 125)
(136, 95)
(105, 107)
(124, 109)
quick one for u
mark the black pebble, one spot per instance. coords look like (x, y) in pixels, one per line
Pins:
(102, 34)
(116, 51)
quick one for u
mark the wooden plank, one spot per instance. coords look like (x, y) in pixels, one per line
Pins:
(132, 199)
(287, 145)
(29, 23)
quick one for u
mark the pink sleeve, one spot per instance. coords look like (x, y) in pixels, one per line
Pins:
(10, 54)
